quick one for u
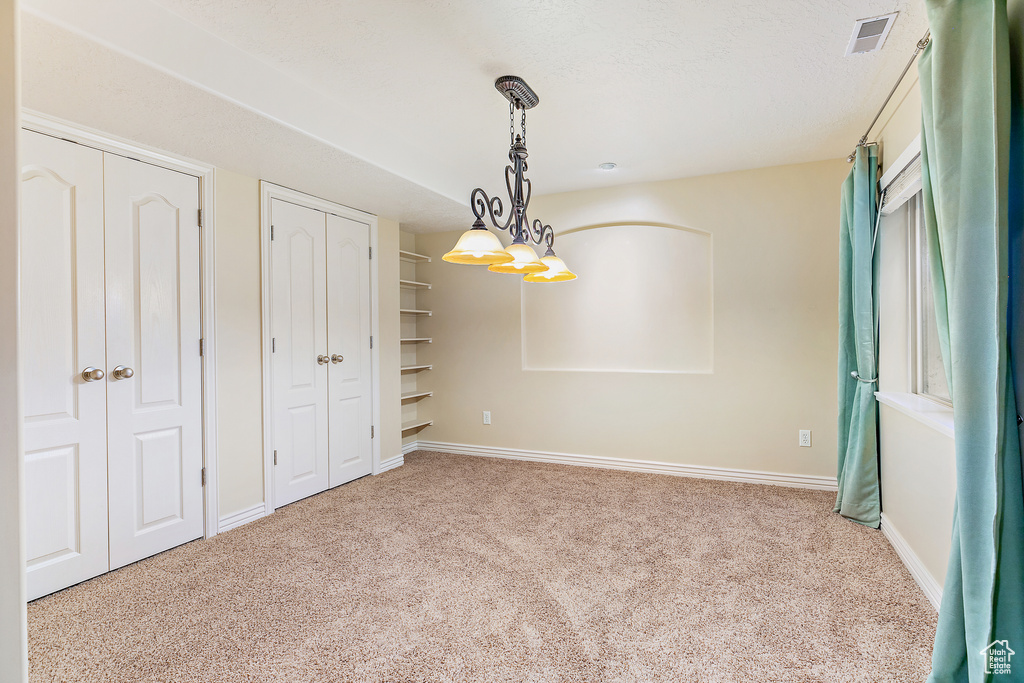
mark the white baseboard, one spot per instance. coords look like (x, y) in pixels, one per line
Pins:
(929, 586)
(650, 466)
(392, 463)
(410, 447)
(241, 517)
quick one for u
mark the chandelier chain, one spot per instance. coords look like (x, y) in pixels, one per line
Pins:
(511, 123)
(524, 126)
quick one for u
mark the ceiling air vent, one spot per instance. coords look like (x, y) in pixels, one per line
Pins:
(869, 34)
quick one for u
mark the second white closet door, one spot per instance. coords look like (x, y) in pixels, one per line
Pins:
(299, 277)
(348, 335)
(61, 335)
(154, 417)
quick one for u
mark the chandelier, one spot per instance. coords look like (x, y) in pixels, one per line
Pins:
(478, 245)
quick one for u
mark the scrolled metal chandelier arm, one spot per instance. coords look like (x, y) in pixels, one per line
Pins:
(520, 191)
(542, 234)
(491, 207)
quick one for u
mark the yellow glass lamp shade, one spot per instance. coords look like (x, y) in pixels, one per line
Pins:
(524, 261)
(556, 272)
(478, 247)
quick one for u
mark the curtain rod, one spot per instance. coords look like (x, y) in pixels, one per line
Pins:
(921, 44)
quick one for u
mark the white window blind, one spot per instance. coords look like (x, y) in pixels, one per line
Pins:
(900, 189)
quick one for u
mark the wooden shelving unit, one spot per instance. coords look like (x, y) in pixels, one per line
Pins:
(413, 311)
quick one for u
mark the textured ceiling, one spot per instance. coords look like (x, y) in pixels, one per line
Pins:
(664, 88)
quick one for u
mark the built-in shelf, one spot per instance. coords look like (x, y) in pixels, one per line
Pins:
(412, 284)
(412, 256)
(415, 368)
(416, 426)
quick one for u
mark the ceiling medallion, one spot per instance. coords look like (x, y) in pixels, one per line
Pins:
(478, 245)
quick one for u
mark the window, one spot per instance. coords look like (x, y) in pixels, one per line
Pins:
(927, 369)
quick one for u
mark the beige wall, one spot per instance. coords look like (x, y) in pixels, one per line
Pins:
(775, 234)
(918, 486)
(239, 345)
(900, 122)
(13, 648)
(390, 428)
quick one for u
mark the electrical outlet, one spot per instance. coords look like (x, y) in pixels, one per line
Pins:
(805, 438)
(487, 417)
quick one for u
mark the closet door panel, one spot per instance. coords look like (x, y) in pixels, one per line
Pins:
(298, 275)
(62, 334)
(153, 328)
(348, 331)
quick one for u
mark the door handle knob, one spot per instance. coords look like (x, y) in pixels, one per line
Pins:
(122, 372)
(337, 359)
(323, 360)
(91, 374)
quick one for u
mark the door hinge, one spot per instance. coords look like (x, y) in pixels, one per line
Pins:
(371, 431)
(202, 347)
(275, 457)
(271, 233)
(371, 252)
(273, 344)
(204, 476)
(200, 218)
(371, 341)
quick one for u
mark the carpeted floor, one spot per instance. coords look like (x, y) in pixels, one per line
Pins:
(456, 568)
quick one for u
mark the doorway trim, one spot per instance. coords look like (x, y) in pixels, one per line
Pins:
(72, 132)
(269, 191)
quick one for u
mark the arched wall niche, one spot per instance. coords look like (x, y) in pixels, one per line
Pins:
(643, 302)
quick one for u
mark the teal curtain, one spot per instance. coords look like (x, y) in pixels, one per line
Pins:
(859, 497)
(966, 107)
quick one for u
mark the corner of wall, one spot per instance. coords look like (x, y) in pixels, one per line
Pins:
(239, 344)
(388, 240)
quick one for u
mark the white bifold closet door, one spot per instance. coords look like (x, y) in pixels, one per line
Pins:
(320, 360)
(62, 333)
(154, 419)
(299, 273)
(109, 284)
(348, 336)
